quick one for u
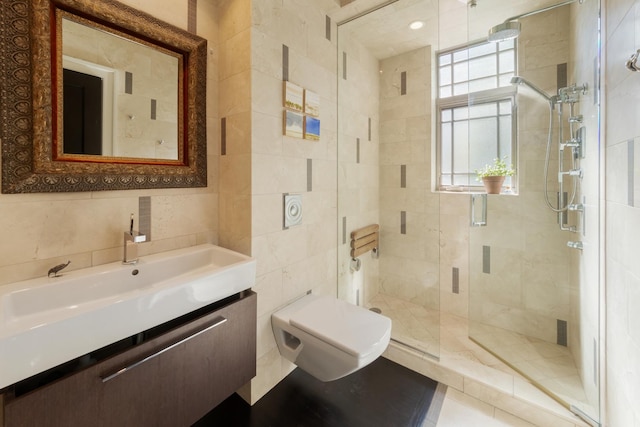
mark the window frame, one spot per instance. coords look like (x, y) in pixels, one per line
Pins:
(505, 93)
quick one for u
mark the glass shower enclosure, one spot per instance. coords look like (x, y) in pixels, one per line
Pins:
(384, 158)
(534, 249)
(419, 111)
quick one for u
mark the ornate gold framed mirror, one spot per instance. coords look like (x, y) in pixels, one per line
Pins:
(99, 96)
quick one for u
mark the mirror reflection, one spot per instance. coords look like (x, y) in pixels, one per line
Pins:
(120, 97)
(146, 127)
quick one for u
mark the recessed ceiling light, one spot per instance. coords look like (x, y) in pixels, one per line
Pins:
(416, 25)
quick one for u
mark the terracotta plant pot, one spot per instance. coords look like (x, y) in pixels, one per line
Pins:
(493, 184)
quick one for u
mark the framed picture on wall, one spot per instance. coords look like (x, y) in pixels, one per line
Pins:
(311, 103)
(293, 97)
(311, 128)
(293, 124)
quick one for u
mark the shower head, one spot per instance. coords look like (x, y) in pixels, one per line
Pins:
(510, 28)
(517, 80)
(506, 31)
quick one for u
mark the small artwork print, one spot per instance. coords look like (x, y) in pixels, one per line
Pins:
(311, 103)
(293, 97)
(293, 124)
(312, 128)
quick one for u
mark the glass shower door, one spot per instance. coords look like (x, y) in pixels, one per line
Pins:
(384, 169)
(534, 279)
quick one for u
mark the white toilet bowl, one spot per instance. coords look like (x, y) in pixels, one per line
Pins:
(329, 338)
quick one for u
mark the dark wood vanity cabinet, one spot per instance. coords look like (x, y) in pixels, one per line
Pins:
(169, 380)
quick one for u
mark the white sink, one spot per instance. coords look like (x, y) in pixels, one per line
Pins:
(48, 321)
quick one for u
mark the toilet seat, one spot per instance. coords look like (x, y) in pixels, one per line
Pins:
(345, 326)
(329, 338)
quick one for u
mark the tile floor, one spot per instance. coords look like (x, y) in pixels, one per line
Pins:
(419, 328)
(382, 394)
(459, 409)
(548, 364)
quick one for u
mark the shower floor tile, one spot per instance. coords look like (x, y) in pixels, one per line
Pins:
(412, 324)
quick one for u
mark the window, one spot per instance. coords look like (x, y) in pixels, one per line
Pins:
(476, 115)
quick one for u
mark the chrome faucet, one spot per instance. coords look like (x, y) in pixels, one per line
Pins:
(57, 268)
(131, 240)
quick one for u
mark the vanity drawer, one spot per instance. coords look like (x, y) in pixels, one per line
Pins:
(170, 380)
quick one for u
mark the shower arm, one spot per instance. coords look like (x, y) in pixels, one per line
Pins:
(544, 9)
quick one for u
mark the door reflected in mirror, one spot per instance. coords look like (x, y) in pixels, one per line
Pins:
(120, 97)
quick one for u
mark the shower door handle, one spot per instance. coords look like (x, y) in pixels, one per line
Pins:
(482, 222)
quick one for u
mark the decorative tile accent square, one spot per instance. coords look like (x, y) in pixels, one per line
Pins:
(285, 62)
(192, 16)
(128, 82)
(223, 136)
(403, 83)
(486, 259)
(561, 75)
(344, 230)
(144, 216)
(631, 172)
(344, 65)
(328, 27)
(562, 333)
(455, 280)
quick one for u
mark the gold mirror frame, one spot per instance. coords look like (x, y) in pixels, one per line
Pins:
(27, 110)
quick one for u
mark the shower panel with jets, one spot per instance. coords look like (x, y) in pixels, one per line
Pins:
(576, 142)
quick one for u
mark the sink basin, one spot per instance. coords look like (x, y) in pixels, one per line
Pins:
(45, 322)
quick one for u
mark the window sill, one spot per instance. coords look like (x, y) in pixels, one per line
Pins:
(472, 190)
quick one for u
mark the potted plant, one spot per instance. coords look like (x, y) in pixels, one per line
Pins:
(493, 175)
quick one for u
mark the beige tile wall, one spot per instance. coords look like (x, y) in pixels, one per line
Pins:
(410, 266)
(528, 287)
(41, 230)
(358, 182)
(520, 293)
(234, 31)
(622, 32)
(301, 258)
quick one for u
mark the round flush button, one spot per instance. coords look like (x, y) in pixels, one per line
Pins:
(292, 210)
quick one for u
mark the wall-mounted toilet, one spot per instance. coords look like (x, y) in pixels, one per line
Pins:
(329, 338)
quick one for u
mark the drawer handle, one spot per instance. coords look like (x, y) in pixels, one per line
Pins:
(218, 321)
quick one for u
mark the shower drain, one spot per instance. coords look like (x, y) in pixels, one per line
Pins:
(376, 310)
